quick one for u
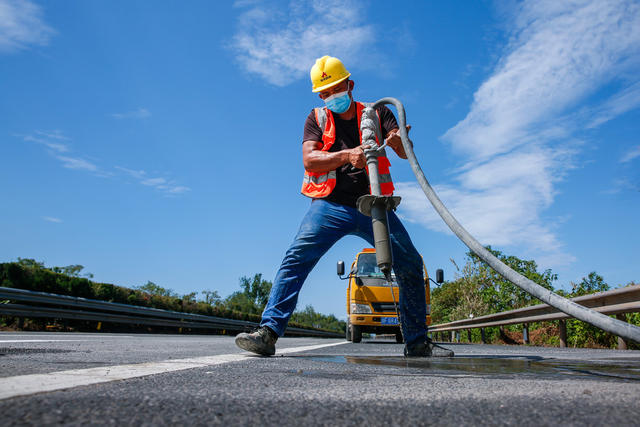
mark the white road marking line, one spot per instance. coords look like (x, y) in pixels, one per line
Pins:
(308, 347)
(96, 336)
(24, 385)
(4, 341)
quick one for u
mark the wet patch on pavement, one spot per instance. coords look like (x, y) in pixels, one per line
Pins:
(534, 366)
(11, 350)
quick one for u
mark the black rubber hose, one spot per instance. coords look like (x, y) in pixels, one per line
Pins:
(606, 323)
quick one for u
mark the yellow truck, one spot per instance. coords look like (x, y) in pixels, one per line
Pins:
(370, 298)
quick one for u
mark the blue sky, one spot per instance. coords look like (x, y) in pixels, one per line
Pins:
(161, 141)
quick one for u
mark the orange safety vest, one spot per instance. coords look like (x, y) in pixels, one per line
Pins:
(321, 184)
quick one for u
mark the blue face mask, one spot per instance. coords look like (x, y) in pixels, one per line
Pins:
(338, 103)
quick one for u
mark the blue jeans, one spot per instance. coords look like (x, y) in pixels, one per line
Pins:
(324, 224)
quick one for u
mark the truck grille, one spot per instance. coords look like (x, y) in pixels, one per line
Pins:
(383, 307)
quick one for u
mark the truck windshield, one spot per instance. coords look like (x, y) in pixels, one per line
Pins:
(368, 267)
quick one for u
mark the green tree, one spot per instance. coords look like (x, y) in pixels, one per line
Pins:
(153, 289)
(211, 297)
(71, 270)
(253, 297)
(189, 298)
(478, 289)
(256, 289)
(500, 294)
(241, 302)
(581, 334)
(30, 263)
(471, 288)
(308, 316)
(588, 285)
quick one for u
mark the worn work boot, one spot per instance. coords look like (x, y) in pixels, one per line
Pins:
(262, 341)
(426, 349)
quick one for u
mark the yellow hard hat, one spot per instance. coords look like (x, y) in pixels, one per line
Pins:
(326, 72)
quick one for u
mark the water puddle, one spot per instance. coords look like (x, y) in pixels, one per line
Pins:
(496, 366)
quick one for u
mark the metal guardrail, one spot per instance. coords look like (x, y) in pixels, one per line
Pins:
(104, 311)
(616, 301)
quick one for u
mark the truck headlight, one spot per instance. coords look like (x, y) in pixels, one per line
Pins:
(360, 308)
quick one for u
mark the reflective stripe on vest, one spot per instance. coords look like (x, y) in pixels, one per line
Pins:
(321, 184)
(317, 180)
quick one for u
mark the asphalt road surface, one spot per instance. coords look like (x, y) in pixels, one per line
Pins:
(117, 379)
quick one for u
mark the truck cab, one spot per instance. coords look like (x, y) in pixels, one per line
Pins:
(370, 298)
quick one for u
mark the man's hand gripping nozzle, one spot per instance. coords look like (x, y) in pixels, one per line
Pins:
(375, 204)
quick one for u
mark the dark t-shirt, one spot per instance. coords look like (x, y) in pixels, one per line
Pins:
(351, 183)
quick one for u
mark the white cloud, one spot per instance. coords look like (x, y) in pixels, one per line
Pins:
(164, 185)
(620, 185)
(280, 44)
(52, 145)
(77, 163)
(153, 182)
(523, 129)
(140, 113)
(137, 174)
(506, 216)
(62, 152)
(53, 134)
(631, 154)
(621, 102)
(21, 26)
(560, 53)
(175, 189)
(496, 202)
(52, 219)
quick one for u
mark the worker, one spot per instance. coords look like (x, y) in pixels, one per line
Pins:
(335, 177)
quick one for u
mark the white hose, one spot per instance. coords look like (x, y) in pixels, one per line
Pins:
(606, 323)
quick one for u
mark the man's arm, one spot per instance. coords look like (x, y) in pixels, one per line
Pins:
(394, 141)
(316, 160)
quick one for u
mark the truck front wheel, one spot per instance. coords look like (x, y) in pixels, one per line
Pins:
(348, 331)
(356, 333)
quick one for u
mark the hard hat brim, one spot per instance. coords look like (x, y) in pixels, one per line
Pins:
(327, 86)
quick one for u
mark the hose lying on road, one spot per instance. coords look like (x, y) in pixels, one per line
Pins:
(606, 323)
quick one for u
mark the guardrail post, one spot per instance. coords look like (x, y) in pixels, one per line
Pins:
(562, 329)
(525, 333)
(457, 336)
(622, 344)
(483, 336)
(469, 335)
(20, 322)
